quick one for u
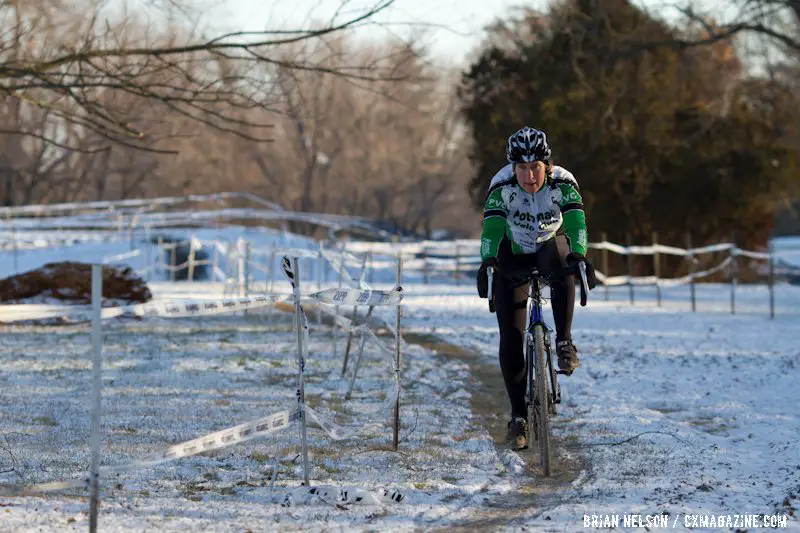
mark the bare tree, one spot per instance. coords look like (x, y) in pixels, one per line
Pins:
(62, 54)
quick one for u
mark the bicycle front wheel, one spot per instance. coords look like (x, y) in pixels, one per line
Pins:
(542, 400)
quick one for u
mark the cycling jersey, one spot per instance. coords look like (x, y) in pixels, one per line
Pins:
(529, 219)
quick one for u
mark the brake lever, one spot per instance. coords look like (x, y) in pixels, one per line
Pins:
(490, 281)
(584, 282)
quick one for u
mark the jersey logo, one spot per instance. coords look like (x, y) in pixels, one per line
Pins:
(486, 245)
(494, 203)
(573, 196)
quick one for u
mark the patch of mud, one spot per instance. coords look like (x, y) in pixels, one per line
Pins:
(533, 493)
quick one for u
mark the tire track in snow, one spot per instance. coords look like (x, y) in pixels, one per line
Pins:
(531, 494)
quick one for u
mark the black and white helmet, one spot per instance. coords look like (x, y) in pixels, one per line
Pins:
(527, 145)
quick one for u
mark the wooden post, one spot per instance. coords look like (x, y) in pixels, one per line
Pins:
(271, 269)
(97, 387)
(14, 243)
(771, 281)
(398, 357)
(173, 259)
(246, 269)
(604, 237)
(426, 265)
(734, 273)
(335, 326)
(191, 259)
(301, 363)
(215, 266)
(240, 258)
(458, 265)
(319, 270)
(657, 268)
(159, 252)
(361, 275)
(148, 252)
(628, 240)
(690, 258)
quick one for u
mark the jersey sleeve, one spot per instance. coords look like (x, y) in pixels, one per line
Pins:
(495, 214)
(571, 206)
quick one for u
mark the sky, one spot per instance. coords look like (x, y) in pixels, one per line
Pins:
(454, 27)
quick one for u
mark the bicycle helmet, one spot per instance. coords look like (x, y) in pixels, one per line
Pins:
(527, 145)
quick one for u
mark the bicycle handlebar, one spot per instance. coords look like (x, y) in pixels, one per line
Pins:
(546, 274)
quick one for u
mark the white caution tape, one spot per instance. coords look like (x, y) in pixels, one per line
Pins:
(341, 496)
(184, 308)
(696, 275)
(365, 330)
(612, 281)
(752, 255)
(370, 298)
(120, 257)
(165, 309)
(337, 432)
(341, 321)
(220, 439)
(289, 252)
(20, 312)
(347, 324)
(388, 402)
(213, 441)
(337, 260)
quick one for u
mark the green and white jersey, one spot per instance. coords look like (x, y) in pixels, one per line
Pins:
(527, 220)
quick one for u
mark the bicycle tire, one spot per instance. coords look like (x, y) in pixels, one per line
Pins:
(543, 397)
(530, 392)
(553, 381)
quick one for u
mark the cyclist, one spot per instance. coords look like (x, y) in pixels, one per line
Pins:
(533, 216)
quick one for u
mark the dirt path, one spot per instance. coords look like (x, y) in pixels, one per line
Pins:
(534, 493)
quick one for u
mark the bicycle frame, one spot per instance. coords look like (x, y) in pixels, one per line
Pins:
(534, 307)
(541, 391)
(540, 399)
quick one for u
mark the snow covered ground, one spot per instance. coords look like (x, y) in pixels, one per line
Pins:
(671, 412)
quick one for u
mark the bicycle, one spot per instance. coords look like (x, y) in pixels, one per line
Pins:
(542, 391)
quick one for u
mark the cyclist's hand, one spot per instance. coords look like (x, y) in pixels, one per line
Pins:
(490, 262)
(574, 258)
(483, 277)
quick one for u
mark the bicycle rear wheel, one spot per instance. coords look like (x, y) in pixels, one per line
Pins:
(542, 396)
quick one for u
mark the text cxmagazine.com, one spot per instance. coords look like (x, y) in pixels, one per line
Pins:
(687, 521)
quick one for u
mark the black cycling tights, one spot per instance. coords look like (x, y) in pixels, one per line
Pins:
(510, 309)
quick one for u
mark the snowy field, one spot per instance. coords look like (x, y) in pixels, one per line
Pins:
(671, 412)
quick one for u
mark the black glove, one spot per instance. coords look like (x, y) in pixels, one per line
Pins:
(574, 258)
(483, 277)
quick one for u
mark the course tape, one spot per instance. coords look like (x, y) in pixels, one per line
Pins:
(338, 262)
(188, 308)
(213, 441)
(652, 280)
(752, 255)
(120, 257)
(348, 325)
(338, 496)
(290, 252)
(337, 432)
(368, 297)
